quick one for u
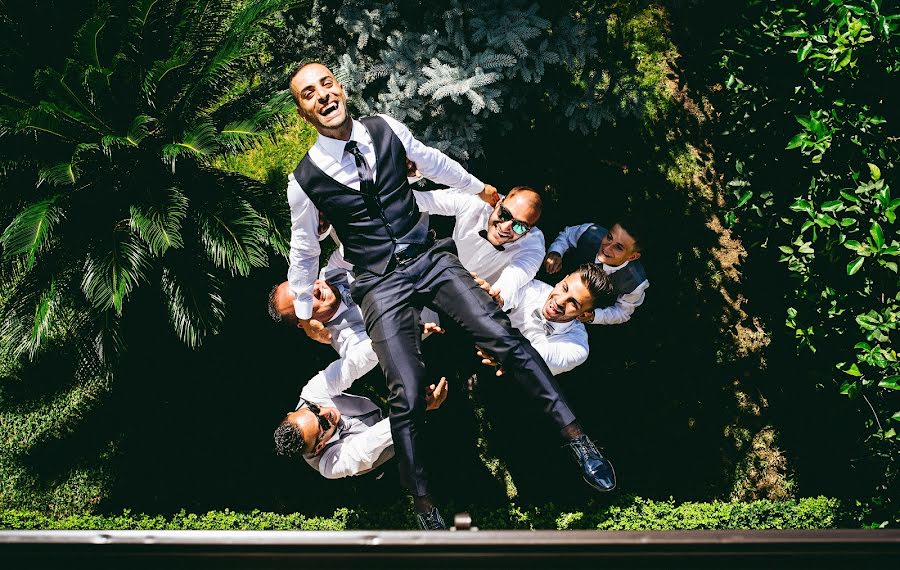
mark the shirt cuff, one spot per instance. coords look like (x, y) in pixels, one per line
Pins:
(303, 309)
(475, 186)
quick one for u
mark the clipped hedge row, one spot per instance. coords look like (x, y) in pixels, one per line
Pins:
(631, 514)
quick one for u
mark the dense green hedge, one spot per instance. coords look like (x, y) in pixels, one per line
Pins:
(633, 514)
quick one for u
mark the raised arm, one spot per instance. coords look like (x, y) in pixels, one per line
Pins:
(623, 308)
(522, 268)
(304, 257)
(434, 164)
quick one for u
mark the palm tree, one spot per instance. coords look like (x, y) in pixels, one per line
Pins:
(106, 177)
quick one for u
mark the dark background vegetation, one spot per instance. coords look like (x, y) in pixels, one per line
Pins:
(701, 396)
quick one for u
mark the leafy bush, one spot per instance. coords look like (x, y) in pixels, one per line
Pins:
(630, 514)
(807, 108)
(107, 166)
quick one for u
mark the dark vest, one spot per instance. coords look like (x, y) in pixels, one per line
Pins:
(369, 225)
(624, 280)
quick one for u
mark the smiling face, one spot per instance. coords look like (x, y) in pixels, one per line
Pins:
(523, 205)
(569, 299)
(321, 100)
(617, 247)
(326, 300)
(308, 425)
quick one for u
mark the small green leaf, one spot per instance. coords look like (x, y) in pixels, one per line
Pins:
(795, 32)
(832, 206)
(745, 198)
(890, 433)
(854, 265)
(877, 235)
(896, 417)
(853, 370)
(890, 382)
(796, 141)
(874, 171)
(804, 51)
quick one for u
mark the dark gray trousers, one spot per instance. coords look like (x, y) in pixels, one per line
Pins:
(391, 304)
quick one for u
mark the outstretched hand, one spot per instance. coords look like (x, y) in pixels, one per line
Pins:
(586, 317)
(433, 328)
(489, 360)
(489, 195)
(494, 293)
(315, 330)
(553, 262)
(436, 395)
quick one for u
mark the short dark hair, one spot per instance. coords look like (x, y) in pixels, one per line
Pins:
(636, 230)
(288, 439)
(273, 311)
(303, 63)
(598, 284)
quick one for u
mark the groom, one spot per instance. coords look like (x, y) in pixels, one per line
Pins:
(355, 174)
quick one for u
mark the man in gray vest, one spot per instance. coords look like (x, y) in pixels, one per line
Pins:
(617, 250)
(355, 174)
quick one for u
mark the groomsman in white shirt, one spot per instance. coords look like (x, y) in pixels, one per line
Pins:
(617, 250)
(339, 434)
(549, 316)
(500, 244)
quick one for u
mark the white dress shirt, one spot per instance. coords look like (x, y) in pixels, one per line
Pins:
(357, 452)
(563, 346)
(626, 303)
(508, 270)
(329, 155)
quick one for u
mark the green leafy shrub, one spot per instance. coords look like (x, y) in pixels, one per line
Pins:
(631, 514)
(807, 117)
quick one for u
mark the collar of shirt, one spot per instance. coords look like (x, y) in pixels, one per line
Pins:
(610, 269)
(557, 328)
(342, 308)
(335, 147)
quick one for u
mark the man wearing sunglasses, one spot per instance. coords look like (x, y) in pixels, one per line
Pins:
(499, 244)
(363, 442)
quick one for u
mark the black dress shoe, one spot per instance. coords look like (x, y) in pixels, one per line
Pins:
(431, 520)
(598, 472)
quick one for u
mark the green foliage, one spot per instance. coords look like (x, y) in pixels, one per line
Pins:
(451, 70)
(633, 514)
(109, 175)
(819, 74)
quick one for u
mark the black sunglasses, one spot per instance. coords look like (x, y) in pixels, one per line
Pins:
(324, 422)
(505, 216)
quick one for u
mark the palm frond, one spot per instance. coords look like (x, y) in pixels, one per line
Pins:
(112, 270)
(87, 39)
(159, 71)
(240, 135)
(137, 21)
(195, 304)
(29, 232)
(138, 131)
(61, 174)
(199, 141)
(233, 234)
(159, 225)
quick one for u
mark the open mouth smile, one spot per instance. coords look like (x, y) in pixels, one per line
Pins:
(329, 109)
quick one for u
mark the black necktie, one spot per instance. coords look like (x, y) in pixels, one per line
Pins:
(366, 179)
(483, 234)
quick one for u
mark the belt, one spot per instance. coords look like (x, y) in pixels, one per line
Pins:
(414, 250)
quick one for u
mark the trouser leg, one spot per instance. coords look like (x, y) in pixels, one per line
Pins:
(392, 322)
(450, 288)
